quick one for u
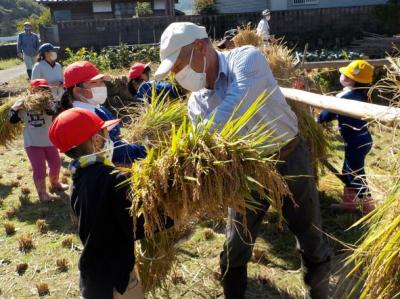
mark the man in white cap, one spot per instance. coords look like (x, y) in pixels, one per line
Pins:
(219, 81)
(263, 27)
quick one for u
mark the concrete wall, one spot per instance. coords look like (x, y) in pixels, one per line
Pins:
(318, 27)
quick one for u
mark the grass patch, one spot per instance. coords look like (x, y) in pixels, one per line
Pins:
(9, 63)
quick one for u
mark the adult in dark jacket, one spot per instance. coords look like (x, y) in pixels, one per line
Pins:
(355, 78)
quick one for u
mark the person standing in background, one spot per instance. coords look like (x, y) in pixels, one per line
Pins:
(27, 47)
(47, 68)
(263, 27)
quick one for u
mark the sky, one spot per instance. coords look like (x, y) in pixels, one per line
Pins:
(185, 5)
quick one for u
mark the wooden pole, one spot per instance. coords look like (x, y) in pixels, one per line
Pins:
(355, 109)
(339, 63)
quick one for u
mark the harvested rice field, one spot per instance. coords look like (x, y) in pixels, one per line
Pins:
(274, 269)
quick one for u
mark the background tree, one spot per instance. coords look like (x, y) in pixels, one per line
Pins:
(11, 11)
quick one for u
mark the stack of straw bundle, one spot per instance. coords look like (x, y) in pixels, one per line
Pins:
(8, 132)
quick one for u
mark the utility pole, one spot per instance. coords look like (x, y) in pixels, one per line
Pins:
(169, 7)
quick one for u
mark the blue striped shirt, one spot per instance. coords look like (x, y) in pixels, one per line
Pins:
(28, 43)
(244, 73)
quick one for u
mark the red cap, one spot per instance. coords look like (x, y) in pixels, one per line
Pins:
(136, 70)
(39, 83)
(75, 126)
(80, 71)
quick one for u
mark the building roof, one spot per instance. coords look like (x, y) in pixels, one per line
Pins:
(65, 1)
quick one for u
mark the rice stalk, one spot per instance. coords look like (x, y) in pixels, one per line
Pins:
(8, 132)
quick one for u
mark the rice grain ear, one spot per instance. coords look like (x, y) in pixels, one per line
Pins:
(8, 132)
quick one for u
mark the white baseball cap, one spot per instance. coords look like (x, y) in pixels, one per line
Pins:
(174, 37)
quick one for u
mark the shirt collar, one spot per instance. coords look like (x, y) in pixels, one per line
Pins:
(83, 105)
(51, 64)
(223, 65)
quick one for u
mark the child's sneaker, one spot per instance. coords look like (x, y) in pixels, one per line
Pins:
(349, 201)
(59, 187)
(367, 205)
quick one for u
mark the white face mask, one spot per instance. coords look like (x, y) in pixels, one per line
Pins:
(53, 56)
(108, 149)
(191, 80)
(99, 95)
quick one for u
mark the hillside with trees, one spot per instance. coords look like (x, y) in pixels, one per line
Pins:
(12, 11)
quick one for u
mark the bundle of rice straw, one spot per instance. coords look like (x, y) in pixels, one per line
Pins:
(388, 87)
(8, 132)
(39, 101)
(314, 135)
(118, 93)
(247, 36)
(156, 258)
(377, 257)
(281, 61)
(151, 121)
(197, 171)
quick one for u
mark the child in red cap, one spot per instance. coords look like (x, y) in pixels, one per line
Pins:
(86, 90)
(99, 199)
(36, 141)
(139, 84)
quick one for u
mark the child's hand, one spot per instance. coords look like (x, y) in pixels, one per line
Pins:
(19, 104)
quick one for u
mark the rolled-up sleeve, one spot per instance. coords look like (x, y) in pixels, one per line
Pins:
(244, 85)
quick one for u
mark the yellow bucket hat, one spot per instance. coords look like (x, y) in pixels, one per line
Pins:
(359, 70)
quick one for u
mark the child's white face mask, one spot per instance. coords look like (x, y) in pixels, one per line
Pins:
(99, 95)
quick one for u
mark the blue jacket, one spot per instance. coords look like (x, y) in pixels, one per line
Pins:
(28, 43)
(124, 153)
(161, 88)
(354, 131)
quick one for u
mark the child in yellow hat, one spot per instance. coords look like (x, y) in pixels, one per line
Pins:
(356, 79)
